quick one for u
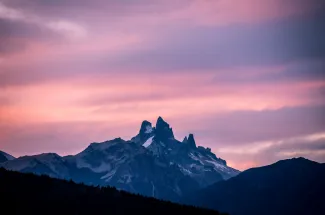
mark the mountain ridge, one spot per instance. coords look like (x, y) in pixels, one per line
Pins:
(291, 186)
(5, 157)
(152, 163)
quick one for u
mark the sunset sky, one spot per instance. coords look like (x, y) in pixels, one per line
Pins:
(247, 77)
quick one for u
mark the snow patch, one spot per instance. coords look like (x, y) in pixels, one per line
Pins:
(153, 189)
(218, 165)
(109, 175)
(148, 142)
(148, 129)
(102, 168)
(196, 158)
(185, 171)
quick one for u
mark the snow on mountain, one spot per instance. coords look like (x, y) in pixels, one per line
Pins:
(148, 129)
(48, 163)
(148, 142)
(104, 157)
(197, 162)
(152, 163)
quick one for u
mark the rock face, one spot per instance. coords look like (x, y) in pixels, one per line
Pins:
(152, 163)
(191, 141)
(163, 132)
(198, 163)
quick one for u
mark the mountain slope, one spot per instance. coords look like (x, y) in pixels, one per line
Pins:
(31, 194)
(295, 186)
(153, 163)
(129, 166)
(5, 157)
(48, 163)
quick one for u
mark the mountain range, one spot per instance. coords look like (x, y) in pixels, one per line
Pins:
(153, 163)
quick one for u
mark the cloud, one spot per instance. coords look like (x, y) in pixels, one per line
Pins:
(312, 70)
(20, 30)
(98, 10)
(234, 73)
(240, 128)
(16, 36)
(9, 13)
(311, 146)
(313, 142)
(67, 28)
(303, 71)
(242, 45)
(65, 138)
(225, 12)
(8, 46)
(184, 48)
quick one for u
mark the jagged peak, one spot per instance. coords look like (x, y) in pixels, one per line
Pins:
(146, 127)
(184, 140)
(163, 130)
(191, 141)
(145, 123)
(161, 122)
(160, 118)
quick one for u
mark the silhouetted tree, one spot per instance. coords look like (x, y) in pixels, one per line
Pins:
(30, 194)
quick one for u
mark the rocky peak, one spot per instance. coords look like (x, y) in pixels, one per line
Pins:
(146, 127)
(184, 140)
(145, 132)
(161, 123)
(191, 141)
(163, 130)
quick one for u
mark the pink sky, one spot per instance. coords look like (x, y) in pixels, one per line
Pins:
(245, 76)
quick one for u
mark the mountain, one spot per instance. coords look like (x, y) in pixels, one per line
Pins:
(153, 163)
(30, 194)
(295, 186)
(5, 157)
(49, 164)
(197, 162)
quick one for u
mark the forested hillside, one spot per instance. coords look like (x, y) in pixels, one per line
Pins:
(30, 194)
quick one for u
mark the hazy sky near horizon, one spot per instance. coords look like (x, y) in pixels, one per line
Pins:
(247, 77)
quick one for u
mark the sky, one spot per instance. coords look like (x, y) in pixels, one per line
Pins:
(246, 77)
